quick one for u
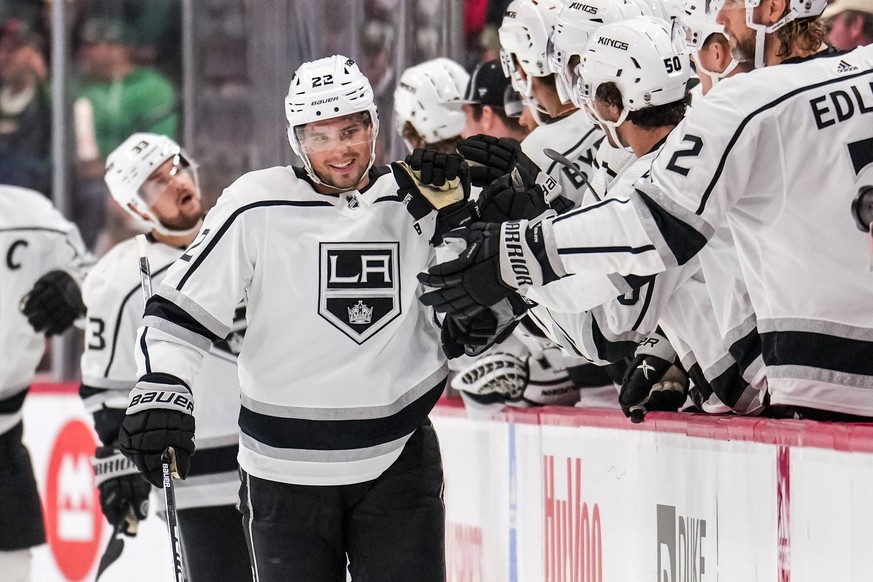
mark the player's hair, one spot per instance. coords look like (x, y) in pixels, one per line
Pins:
(806, 34)
(649, 117)
(446, 146)
(715, 37)
(511, 123)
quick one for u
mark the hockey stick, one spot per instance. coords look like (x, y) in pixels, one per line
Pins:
(168, 458)
(571, 167)
(116, 542)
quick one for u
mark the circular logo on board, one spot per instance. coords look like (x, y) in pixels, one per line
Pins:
(74, 522)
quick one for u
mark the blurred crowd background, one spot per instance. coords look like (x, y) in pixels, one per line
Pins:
(78, 76)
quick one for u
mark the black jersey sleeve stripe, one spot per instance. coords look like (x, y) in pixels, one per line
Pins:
(229, 222)
(650, 290)
(145, 351)
(609, 350)
(590, 207)
(736, 136)
(118, 318)
(165, 309)
(596, 250)
(683, 240)
(331, 435)
(746, 349)
(817, 350)
(729, 386)
(14, 403)
(209, 461)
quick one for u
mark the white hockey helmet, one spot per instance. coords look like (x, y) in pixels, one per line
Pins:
(421, 97)
(524, 36)
(646, 58)
(700, 24)
(797, 10)
(575, 23)
(667, 10)
(129, 166)
(325, 89)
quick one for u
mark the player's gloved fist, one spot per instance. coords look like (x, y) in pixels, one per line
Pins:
(54, 303)
(498, 260)
(159, 416)
(460, 333)
(436, 168)
(492, 157)
(515, 196)
(652, 381)
(441, 179)
(124, 494)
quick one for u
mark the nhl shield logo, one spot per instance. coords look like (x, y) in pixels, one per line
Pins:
(359, 287)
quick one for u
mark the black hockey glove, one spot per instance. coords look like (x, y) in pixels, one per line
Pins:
(476, 332)
(499, 259)
(492, 157)
(159, 416)
(515, 196)
(54, 303)
(435, 181)
(124, 494)
(652, 381)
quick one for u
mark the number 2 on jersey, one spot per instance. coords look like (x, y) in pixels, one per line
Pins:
(693, 151)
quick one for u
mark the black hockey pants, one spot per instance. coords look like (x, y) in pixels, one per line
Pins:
(391, 529)
(213, 544)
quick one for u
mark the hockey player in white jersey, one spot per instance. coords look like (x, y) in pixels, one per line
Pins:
(614, 78)
(150, 177)
(524, 39)
(426, 105)
(752, 169)
(44, 261)
(340, 365)
(574, 25)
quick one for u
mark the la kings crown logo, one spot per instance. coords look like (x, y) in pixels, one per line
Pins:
(359, 287)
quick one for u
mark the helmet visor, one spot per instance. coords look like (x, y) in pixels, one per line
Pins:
(161, 179)
(344, 132)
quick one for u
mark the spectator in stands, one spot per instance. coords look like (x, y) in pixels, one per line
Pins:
(851, 23)
(485, 103)
(114, 99)
(25, 112)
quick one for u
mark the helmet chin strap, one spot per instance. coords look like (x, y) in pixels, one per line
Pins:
(715, 77)
(762, 30)
(611, 126)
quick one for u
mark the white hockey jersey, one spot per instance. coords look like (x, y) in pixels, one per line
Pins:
(341, 362)
(114, 300)
(781, 167)
(34, 239)
(577, 139)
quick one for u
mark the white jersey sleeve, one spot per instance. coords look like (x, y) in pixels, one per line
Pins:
(34, 239)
